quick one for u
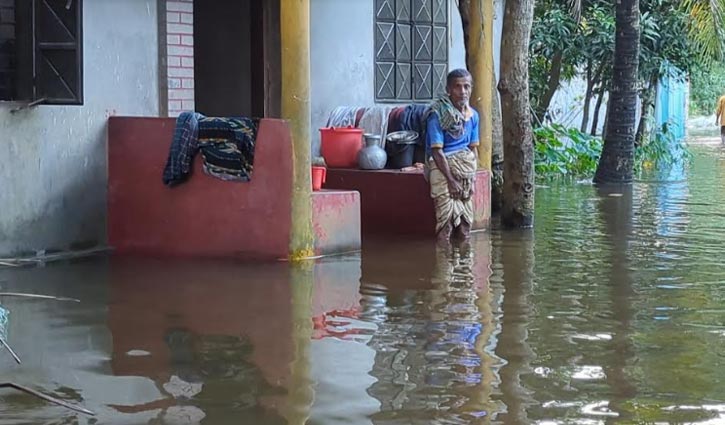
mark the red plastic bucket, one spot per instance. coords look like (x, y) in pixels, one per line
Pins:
(340, 146)
(319, 175)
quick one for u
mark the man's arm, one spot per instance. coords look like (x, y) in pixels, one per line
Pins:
(719, 111)
(474, 149)
(475, 139)
(454, 188)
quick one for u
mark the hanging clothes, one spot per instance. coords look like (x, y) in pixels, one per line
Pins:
(343, 116)
(183, 148)
(375, 121)
(227, 147)
(226, 144)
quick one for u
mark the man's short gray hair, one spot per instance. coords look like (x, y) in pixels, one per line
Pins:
(457, 73)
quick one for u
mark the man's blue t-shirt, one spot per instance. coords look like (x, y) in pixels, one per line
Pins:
(437, 138)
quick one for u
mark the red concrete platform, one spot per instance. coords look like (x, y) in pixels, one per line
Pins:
(397, 202)
(336, 221)
(205, 216)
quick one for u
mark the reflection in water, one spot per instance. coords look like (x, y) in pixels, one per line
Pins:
(220, 350)
(615, 211)
(609, 311)
(428, 364)
(517, 262)
(301, 396)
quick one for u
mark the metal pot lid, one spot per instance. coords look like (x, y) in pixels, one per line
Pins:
(404, 136)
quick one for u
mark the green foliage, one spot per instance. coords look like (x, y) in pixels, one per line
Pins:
(567, 152)
(662, 40)
(598, 32)
(707, 84)
(561, 151)
(554, 31)
(660, 149)
(705, 27)
(585, 40)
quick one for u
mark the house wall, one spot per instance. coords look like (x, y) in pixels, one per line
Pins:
(671, 103)
(567, 106)
(53, 158)
(343, 57)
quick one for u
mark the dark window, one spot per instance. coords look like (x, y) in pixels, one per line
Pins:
(411, 49)
(41, 57)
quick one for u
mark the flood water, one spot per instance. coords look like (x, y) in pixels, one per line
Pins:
(610, 311)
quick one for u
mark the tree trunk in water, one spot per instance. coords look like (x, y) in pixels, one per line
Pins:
(648, 97)
(597, 108)
(617, 160)
(518, 185)
(497, 156)
(551, 86)
(587, 98)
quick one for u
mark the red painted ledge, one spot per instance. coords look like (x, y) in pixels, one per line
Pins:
(398, 202)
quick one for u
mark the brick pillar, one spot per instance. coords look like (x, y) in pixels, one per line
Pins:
(180, 55)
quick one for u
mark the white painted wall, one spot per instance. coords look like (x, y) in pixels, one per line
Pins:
(53, 158)
(567, 106)
(343, 55)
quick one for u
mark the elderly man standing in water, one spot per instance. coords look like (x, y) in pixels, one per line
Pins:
(451, 140)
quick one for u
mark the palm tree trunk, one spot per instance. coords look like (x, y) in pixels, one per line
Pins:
(518, 173)
(617, 160)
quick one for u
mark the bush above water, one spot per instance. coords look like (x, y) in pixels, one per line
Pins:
(561, 151)
(567, 152)
(661, 149)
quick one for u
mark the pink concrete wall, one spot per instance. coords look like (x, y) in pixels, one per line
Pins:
(336, 221)
(204, 216)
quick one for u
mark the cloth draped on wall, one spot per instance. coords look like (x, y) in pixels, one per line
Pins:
(375, 121)
(226, 145)
(183, 148)
(343, 116)
(462, 165)
(394, 119)
(414, 118)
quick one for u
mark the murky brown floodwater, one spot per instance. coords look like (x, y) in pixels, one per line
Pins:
(610, 311)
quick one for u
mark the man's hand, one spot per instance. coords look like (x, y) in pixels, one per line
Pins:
(455, 189)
